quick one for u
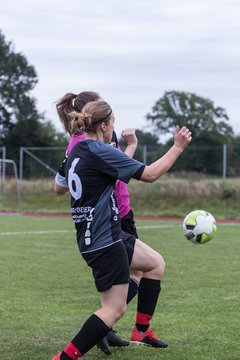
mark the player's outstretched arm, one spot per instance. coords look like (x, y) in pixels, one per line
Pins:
(154, 171)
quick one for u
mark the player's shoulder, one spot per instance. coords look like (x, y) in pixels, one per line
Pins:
(98, 146)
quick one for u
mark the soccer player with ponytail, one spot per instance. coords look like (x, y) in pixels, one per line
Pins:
(91, 172)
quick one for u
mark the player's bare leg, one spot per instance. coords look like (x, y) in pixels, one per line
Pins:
(152, 264)
(111, 339)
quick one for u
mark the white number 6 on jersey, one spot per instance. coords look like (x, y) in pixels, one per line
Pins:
(74, 182)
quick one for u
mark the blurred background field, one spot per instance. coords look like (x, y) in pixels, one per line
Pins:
(47, 292)
(171, 196)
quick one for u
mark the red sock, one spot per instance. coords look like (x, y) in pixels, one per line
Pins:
(142, 321)
(143, 318)
(72, 351)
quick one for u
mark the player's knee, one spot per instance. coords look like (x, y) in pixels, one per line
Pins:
(119, 311)
(159, 265)
(162, 264)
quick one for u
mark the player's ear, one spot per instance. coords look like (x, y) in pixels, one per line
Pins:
(103, 126)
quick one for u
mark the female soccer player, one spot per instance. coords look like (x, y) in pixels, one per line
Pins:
(72, 102)
(92, 169)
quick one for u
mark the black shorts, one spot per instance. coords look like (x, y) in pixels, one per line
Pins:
(110, 266)
(128, 224)
(129, 243)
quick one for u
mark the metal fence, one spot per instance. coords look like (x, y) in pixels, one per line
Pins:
(222, 161)
(34, 160)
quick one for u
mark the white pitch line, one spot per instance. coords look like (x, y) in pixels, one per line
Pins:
(155, 226)
(41, 232)
(45, 232)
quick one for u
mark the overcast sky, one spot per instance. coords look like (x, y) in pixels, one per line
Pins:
(131, 51)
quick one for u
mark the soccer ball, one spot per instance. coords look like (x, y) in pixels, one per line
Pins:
(199, 226)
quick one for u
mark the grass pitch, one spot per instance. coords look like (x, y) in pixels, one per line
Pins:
(47, 292)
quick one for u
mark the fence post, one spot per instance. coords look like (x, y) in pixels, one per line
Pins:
(4, 153)
(21, 164)
(145, 154)
(2, 171)
(224, 161)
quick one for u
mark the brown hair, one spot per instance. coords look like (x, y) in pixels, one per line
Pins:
(92, 115)
(72, 102)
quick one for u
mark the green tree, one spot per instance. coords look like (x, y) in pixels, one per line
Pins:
(207, 123)
(197, 113)
(20, 122)
(17, 79)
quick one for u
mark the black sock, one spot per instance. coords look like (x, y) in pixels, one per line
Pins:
(140, 327)
(92, 331)
(64, 356)
(148, 293)
(132, 290)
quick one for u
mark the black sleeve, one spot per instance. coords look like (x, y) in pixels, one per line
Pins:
(114, 139)
(61, 169)
(139, 172)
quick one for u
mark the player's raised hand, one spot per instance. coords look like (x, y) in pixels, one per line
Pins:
(129, 136)
(182, 136)
(131, 140)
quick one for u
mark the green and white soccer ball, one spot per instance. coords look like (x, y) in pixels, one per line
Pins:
(199, 226)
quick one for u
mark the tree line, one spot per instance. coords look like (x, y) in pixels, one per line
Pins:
(22, 125)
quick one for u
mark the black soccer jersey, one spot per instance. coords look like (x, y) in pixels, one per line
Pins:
(91, 171)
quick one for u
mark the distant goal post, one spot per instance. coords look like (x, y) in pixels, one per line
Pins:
(10, 195)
